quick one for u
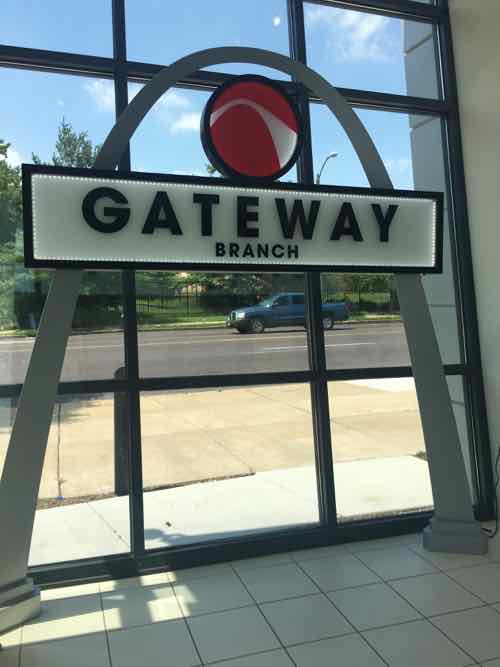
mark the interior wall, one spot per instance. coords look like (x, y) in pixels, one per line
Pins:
(477, 60)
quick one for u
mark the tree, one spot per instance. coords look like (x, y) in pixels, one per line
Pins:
(211, 170)
(72, 149)
(10, 197)
(22, 291)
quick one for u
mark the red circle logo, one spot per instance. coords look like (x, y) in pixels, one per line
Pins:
(251, 129)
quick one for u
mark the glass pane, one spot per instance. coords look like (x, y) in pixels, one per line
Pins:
(380, 465)
(163, 32)
(79, 27)
(82, 509)
(354, 49)
(168, 139)
(411, 148)
(212, 470)
(74, 115)
(364, 327)
(210, 323)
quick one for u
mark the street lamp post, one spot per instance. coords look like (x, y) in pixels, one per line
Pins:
(328, 157)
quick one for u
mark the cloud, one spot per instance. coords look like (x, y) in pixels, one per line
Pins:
(186, 122)
(103, 94)
(172, 109)
(352, 35)
(14, 159)
(184, 172)
(399, 165)
(174, 100)
(276, 21)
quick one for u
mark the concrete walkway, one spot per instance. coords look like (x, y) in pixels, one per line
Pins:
(191, 436)
(221, 462)
(200, 512)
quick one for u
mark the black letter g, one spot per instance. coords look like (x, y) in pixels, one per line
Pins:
(121, 215)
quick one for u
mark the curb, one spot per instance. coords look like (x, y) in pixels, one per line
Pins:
(188, 327)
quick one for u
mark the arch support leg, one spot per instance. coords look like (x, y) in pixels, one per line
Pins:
(453, 527)
(22, 471)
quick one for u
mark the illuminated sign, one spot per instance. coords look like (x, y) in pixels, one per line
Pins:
(107, 219)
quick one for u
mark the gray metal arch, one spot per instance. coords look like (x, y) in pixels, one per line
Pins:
(453, 526)
(130, 119)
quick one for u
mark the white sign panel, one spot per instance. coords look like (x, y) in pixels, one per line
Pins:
(96, 219)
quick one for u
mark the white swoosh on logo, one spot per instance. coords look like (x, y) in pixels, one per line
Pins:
(284, 138)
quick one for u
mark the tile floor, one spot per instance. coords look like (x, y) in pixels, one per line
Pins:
(369, 604)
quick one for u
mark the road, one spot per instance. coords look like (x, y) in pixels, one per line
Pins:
(195, 352)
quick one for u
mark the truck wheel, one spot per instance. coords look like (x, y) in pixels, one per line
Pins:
(328, 322)
(256, 325)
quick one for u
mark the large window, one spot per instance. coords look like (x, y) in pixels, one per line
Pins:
(228, 410)
(354, 49)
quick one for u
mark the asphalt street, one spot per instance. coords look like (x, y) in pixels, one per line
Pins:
(217, 351)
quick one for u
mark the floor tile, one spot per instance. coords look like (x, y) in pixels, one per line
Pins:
(69, 617)
(483, 581)
(477, 631)
(384, 543)
(373, 606)
(231, 634)
(268, 659)
(305, 619)
(319, 552)
(395, 563)
(416, 644)
(446, 561)
(88, 651)
(11, 638)
(349, 651)
(69, 591)
(190, 573)
(340, 572)
(9, 657)
(202, 596)
(150, 645)
(277, 583)
(156, 579)
(261, 561)
(434, 594)
(139, 606)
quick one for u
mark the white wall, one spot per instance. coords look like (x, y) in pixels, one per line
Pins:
(475, 26)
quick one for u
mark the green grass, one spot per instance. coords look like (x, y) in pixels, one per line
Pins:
(194, 322)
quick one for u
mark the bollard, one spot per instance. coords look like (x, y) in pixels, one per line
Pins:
(122, 436)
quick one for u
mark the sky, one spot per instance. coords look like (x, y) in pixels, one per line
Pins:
(351, 49)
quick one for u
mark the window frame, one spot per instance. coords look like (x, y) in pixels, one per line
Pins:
(122, 71)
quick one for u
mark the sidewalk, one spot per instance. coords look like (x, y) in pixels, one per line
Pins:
(219, 462)
(200, 512)
(191, 436)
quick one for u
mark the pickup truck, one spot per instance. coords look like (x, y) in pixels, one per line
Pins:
(282, 310)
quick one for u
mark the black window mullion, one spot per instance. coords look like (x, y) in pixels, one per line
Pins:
(136, 507)
(412, 10)
(315, 335)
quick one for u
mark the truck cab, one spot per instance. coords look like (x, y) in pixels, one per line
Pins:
(281, 310)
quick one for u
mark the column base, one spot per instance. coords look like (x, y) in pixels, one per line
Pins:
(465, 537)
(18, 603)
